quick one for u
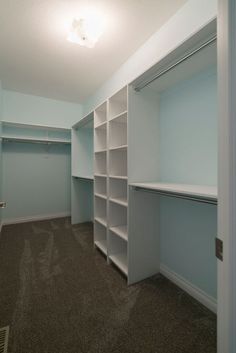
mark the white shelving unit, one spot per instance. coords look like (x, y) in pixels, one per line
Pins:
(82, 170)
(118, 179)
(100, 178)
(111, 178)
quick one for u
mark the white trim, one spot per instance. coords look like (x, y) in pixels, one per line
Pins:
(191, 289)
(35, 218)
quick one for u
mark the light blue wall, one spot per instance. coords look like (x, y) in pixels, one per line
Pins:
(194, 15)
(188, 231)
(1, 173)
(188, 131)
(36, 180)
(29, 109)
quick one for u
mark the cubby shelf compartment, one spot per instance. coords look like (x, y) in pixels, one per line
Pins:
(100, 175)
(121, 177)
(84, 177)
(120, 260)
(118, 163)
(118, 252)
(100, 138)
(121, 231)
(100, 236)
(121, 117)
(100, 115)
(120, 201)
(100, 210)
(118, 103)
(118, 132)
(100, 163)
(100, 186)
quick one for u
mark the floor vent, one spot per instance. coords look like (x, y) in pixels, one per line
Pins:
(4, 333)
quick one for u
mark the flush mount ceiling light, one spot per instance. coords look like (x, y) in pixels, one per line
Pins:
(86, 31)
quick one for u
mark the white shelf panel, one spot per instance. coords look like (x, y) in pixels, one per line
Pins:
(101, 220)
(87, 177)
(120, 201)
(121, 231)
(120, 260)
(102, 196)
(101, 151)
(120, 148)
(101, 125)
(118, 177)
(102, 245)
(119, 117)
(200, 191)
(100, 175)
(34, 139)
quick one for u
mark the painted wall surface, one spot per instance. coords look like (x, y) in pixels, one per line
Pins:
(188, 131)
(36, 180)
(29, 109)
(187, 243)
(186, 22)
(1, 173)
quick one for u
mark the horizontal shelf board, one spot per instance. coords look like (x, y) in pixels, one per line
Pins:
(198, 191)
(102, 245)
(120, 148)
(102, 125)
(36, 126)
(101, 220)
(102, 196)
(101, 151)
(120, 260)
(86, 177)
(34, 139)
(100, 175)
(118, 177)
(121, 231)
(118, 116)
(86, 121)
(119, 200)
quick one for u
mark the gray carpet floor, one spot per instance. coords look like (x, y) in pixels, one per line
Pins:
(58, 295)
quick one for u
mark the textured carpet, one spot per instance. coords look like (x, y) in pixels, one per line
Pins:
(58, 295)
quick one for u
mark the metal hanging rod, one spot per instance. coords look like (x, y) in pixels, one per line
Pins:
(4, 139)
(177, 195)
(187, 56)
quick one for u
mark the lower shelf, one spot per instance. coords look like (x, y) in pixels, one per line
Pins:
(121, 231)
(102, 245)
(120, 260)
(101, 221)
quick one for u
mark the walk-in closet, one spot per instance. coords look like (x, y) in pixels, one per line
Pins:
(117, 176)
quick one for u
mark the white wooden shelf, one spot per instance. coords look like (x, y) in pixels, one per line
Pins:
(101, 220)
(101, 125)
(102, 196)
(121, 231)
(100, 175)
(119, 116)
(197, 191)
(120, 201)
(120, 260)
(34, 140)
(101, 151)
(102, 245)
(85, 177)
(120, 148)
(118, 177)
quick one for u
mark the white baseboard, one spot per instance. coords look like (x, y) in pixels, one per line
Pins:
(188, 287)
(35, 218)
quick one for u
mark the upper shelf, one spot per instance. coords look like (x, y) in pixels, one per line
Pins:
(200, 192)
(17, 132)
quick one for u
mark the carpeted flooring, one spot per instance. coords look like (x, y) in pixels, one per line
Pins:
(58, 295)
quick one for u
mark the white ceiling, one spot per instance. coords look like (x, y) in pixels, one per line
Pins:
(37, 59)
